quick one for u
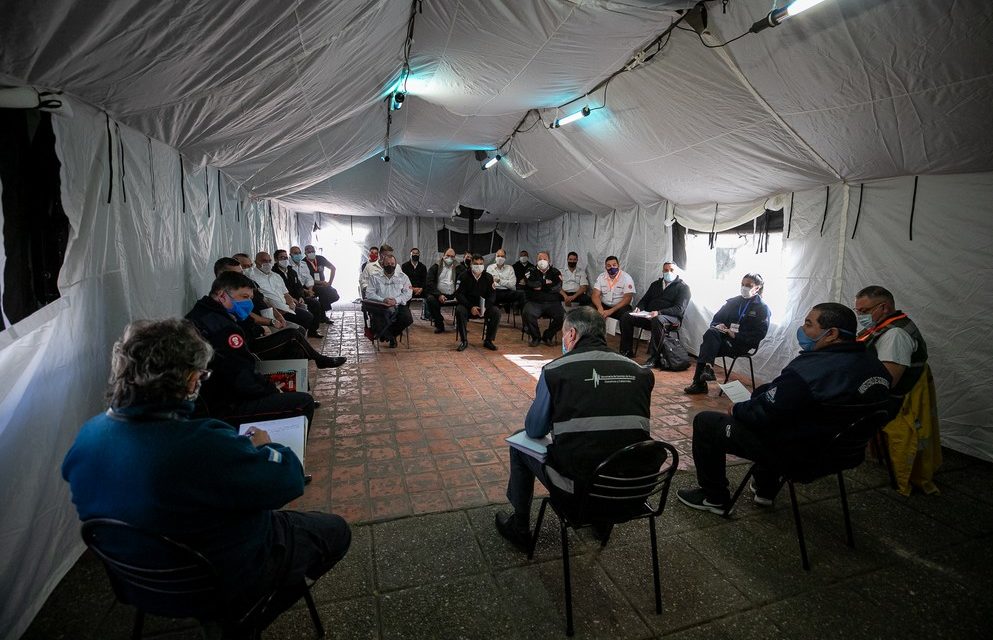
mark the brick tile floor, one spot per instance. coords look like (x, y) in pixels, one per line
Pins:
(420, 428)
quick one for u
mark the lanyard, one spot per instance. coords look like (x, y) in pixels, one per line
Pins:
(613, 281)
(742, 310)
(868, 332)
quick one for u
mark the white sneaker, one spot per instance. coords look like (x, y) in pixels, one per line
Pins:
(756, 498)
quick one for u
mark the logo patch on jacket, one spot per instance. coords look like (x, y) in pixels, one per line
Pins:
(235, 341)
(598, 379)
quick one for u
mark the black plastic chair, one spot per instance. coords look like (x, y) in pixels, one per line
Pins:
(372, 336)
(844, 451)
(671, 329)
(734, 358)
(621, 490)
(175, 581)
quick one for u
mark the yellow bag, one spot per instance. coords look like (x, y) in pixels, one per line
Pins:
(913, 438)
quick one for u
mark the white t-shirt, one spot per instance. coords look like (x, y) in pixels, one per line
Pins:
(573, 280)
(272, 286)
(895, 345)
(609, 296)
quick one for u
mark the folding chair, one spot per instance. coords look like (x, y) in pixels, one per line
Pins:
(734, 358)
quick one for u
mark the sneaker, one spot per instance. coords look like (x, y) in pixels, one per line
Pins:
(760, 500)
(697, 387)
(697, 499)
(506, 525)
(708, 374)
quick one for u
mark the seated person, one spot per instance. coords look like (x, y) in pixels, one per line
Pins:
(373, 267)
(373, 257)
(299, 293)
(543, 283)
(146, 462)
(392, 289)
(520, 267)
(476, 296)
(315, 266)
(235, 393)
(588, 422)
(814, 397)
(575, 284)
(276, 294)
(416, 272)
(613, 291)
(440, 287)
(666, 299)
(739, 326)
(270, 338)
(505, 281)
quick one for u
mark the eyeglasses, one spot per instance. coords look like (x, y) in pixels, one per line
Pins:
(868, 310)
(205, 375)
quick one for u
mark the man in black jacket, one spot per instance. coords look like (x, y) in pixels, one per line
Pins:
(296, 289)
(416, 272)
(235, 393)
(666, 299)
(588, 418)
(832, 382)
(476, 296)
(542, 283)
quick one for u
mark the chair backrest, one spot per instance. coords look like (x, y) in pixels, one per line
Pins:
(846, 450)
(624, 484)
(152, 572)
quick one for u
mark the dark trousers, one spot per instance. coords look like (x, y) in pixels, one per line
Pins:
(714, 345)
(534, 310)
(658, 325)
(491, 316)
(285, 344)
(314, 308)
(303, 318)
(510, 297)
(271, 407)
(717, 434)
(582, 300)
(327, 295)
(390, 321)
(520, 487)
(433, 305)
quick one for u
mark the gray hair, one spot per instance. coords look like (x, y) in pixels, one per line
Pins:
(152, 362)
(587, 322)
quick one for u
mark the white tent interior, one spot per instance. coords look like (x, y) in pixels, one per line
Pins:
(193, 130)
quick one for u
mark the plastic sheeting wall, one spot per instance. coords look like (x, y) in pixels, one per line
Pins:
(138, 256)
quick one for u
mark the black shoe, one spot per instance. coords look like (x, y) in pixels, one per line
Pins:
(506, 525)
(393, 343)
(317, 404)
(627, 353)
(314, 334)
(708, 374)
(489, 345)
(653, 361)
(307, 479)
(439, 329)
(534, 342)
(328, 362)
(326, 320)
(463, 345)
(697, 499)
(548, 342)
(697, 387)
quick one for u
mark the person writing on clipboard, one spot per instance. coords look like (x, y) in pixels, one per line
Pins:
(738, 327)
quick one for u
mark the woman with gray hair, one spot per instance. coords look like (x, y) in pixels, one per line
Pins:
(146, 462)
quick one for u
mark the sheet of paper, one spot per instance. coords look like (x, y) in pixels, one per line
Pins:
(736, 392)
(531, 446)
(641, 314)
(291, 432)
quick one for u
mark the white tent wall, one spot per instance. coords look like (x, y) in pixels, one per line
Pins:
(139, 257)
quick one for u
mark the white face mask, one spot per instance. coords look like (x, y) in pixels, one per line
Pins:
(864, 321)
(500, 260)
(523, 259)
(669, 276)
(477, 269)
(265, 267)
(543, 264)
(311, 255)
(449, 260)
(748, 292)
(284, 263)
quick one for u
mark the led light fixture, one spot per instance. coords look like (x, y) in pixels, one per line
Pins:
(492, 161)
(385, 157)
(776, 16)
(582, 113)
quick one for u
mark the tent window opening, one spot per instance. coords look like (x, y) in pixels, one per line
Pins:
(715, 274)
(35, 227)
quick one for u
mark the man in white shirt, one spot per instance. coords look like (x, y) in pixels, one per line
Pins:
(390, 291)
(440, 288)
(274, 289)
(505, 281)
(374, 268)
(613, 291)
(575, 284)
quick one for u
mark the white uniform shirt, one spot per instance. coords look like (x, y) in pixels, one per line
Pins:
(895, 345)
(611, 295)
(503, 278)
(272, 286)
(371, 269)
(573, 280)
(397, 286)
(446, 279)
(303, 272)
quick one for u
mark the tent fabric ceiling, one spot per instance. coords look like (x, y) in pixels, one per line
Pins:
(288, 99)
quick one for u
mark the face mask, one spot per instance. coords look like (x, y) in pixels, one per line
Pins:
(613, 271)
(806, 342)
(373, 257)
(266, 267)
(668, 276)
(864, 321)
(414, 257)
(241, 308)
(284, 263)
(564, 350)
(297, 257)
(501, 261)
(389, 270)
(747, 292)
(449, 260)
(543, 264)
(572, 265)
(477, 269)
(311, 255)
(523, 259)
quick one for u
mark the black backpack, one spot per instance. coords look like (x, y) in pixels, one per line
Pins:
(673, 354)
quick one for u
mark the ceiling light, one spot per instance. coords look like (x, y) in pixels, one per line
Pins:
(385, 157)
(582, 113)
(492, 161)
(776, 16)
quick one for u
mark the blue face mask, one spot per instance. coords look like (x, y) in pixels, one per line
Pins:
(241, 308)
(297, 257)
(806, 342)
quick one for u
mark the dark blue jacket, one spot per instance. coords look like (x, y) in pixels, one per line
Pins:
(751, 316)
(195, 481)
(815, 394)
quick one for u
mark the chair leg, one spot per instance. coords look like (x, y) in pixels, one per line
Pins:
(751, 370)
(728, 370)
(139, 623)
(537, 528)
(883, 447)
(849, 537)
(655, 565)
(739, 490)
(799, 527)
(314, 615)
(567, 579)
